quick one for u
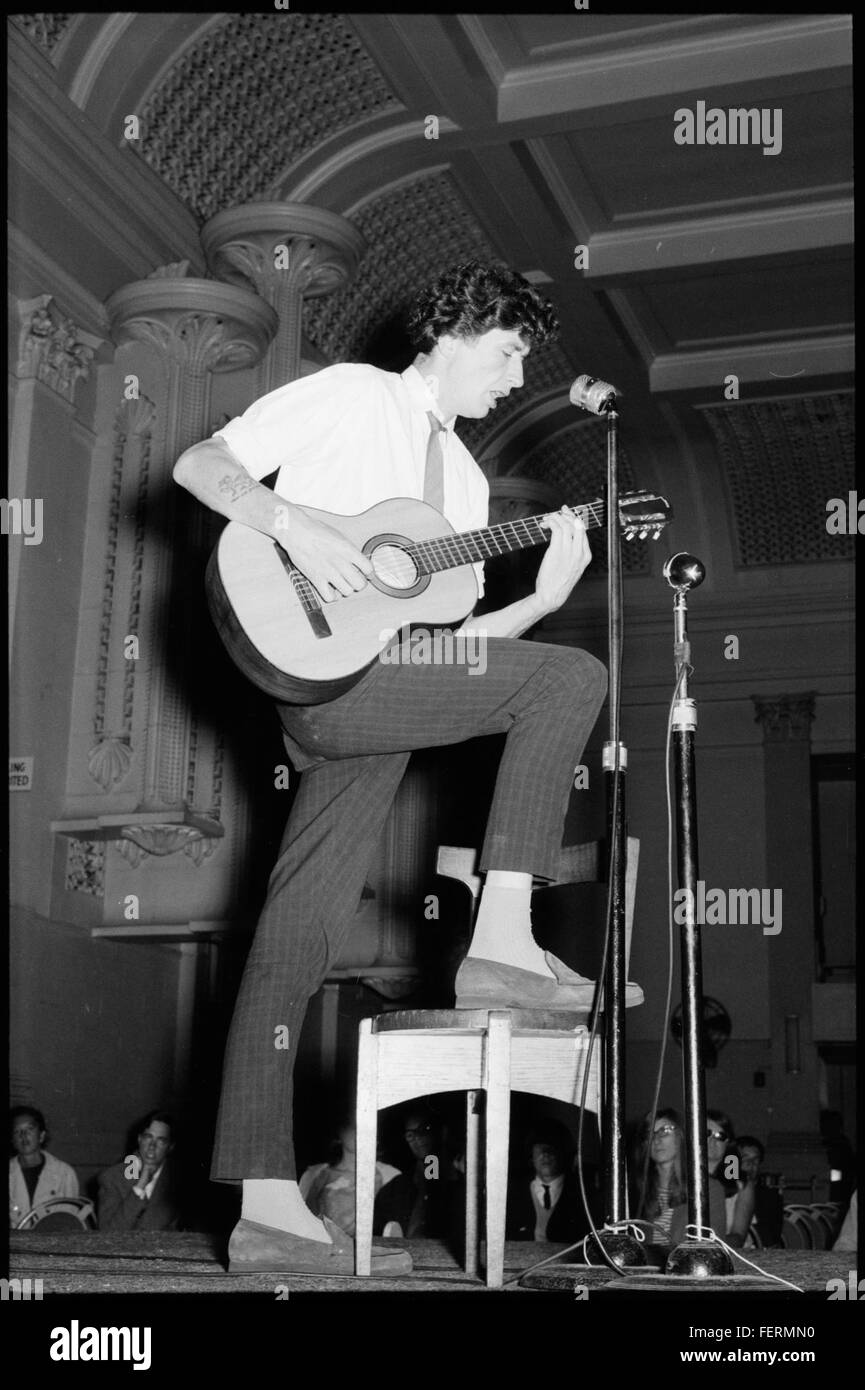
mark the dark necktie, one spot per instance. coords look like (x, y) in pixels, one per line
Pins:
(547, 1203)
(434, 480)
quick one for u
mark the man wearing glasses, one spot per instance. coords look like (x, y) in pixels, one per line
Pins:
(138, 1193)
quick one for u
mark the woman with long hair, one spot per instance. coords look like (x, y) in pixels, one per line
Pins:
(665, 1186)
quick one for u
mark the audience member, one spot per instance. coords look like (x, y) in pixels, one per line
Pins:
(664, 1202)
(725, 1165)
(768, 1218)
(428, 1200)
(329, 1188)
(141, 1192)
(35, 1176)
(544, 1203)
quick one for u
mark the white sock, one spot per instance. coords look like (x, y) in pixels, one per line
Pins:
(277, 1202)
(503, 929)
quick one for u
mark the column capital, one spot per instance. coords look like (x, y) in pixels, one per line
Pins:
(785, 718)
(203, 325)
(52, 348)
(283, 248)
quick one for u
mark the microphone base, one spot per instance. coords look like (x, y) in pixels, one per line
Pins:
(621, 1248)
(699, 1259)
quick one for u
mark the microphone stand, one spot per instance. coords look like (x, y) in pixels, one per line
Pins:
(695, 1256)
(613, 1244)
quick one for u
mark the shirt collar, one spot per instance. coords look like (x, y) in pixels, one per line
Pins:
(148, 1187)
(555, 1185)
(422, 398)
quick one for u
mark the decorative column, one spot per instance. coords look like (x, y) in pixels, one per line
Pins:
(786, 722)
(197, 327)
(288, 251)
(54, 351)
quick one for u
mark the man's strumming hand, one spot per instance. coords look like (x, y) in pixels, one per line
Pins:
(328, 559)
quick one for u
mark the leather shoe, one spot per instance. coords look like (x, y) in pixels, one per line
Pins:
(488, 984)
(257, 1249)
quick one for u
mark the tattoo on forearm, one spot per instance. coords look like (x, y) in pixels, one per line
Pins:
(233, 487)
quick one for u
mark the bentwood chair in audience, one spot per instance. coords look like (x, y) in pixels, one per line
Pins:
(403, 1055)
(793, 1236)
(59, 1214)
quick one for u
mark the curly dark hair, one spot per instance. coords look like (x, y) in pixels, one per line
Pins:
(472, 298)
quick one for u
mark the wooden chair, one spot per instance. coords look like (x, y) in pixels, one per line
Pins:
(403, 1055)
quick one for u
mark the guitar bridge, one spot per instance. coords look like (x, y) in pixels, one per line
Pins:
(318, 622)
(306, 593)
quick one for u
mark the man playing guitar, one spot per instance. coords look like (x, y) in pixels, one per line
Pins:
(346, 438)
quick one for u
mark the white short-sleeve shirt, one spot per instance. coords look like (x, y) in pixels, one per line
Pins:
(352, 435)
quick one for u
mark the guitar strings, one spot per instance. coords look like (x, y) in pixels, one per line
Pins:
(423, 557)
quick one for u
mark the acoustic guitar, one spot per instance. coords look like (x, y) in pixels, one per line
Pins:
(299, 649)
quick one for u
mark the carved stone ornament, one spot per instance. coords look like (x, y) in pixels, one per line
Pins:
(52, 348)
(85, 867)
(785, 718)
(283, 247)
(204, 326)
(138, 840)
(109, 761)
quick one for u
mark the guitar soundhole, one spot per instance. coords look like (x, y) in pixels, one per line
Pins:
(394, 567)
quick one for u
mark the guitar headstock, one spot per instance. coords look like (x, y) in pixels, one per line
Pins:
(643, 515)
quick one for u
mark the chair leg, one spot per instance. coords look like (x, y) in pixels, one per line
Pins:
(472, 1146)
(367, 1122)
(498, 1088)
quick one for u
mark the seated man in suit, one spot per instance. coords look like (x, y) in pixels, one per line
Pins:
(140, 1192)
(428, 1200)
(545, 1204)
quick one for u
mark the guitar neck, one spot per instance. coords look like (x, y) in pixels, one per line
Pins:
(467, 547)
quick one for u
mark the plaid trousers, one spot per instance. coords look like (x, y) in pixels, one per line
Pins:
(354, 751)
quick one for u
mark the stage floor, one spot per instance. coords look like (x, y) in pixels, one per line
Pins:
(93, 1263)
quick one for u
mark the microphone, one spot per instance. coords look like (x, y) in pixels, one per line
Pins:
(591, 394)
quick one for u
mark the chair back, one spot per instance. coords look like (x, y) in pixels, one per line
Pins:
(59, 1214)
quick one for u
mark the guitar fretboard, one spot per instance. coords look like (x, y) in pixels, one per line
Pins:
(446, 552)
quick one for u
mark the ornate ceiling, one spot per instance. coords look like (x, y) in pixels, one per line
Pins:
(526, 137)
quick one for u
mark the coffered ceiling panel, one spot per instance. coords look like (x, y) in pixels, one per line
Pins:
(636, 170)
(750, 305)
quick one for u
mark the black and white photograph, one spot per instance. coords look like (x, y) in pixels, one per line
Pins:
(431, 515)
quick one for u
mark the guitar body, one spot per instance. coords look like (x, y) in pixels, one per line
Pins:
(303, 651)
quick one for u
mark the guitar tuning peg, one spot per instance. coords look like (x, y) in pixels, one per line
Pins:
(644, 533)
